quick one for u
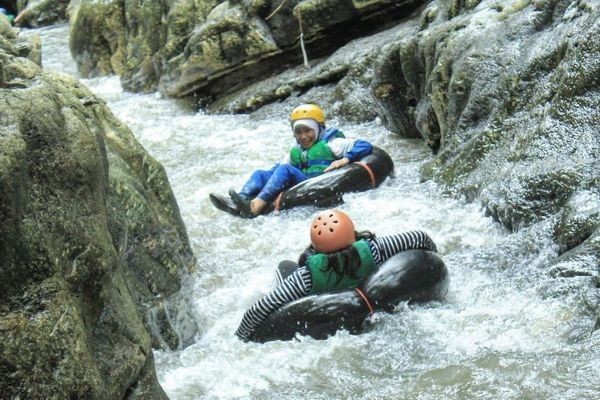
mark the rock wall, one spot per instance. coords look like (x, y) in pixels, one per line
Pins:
(511, 99)
(509, 95)
(210, 48)
(91, 246)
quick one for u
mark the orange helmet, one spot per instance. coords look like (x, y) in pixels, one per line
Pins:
(332, 230)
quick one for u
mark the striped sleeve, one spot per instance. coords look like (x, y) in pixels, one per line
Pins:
(384, 247)
(295, 286)
(278, 277)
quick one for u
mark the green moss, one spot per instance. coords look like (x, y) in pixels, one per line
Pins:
(47, 338)
(451, 169)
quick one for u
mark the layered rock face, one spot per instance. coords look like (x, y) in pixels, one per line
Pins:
(210, 48)
(91, 246)
(511, 99)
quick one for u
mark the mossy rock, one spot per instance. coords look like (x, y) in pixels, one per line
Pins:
(73, 300)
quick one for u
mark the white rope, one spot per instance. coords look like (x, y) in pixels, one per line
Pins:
(304, 56)
(302, 42)
(276, 10)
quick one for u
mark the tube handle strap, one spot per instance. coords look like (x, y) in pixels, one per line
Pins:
(369, 170)
(278, 201)
(366, 299)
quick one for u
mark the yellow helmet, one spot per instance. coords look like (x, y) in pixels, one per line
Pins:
(308, 111)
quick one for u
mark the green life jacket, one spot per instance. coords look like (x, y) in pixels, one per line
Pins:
(313, 161)
(327, 280)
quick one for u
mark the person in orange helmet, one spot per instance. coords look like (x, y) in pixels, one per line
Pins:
(338, 258)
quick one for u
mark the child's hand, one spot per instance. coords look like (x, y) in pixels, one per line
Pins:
(337, 164)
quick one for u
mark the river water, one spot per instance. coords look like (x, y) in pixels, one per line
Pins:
(496, 336)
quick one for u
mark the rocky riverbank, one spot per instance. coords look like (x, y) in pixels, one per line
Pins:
(92, 244)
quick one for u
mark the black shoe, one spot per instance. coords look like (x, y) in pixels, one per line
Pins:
(224, 204)
(242, 204)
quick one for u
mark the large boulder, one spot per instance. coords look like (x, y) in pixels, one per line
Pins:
(229, 38)
(92, 243)
(97, 39)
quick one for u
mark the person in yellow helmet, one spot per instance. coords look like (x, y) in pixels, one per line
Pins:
(317, 150)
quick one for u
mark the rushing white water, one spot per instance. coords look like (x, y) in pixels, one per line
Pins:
(494, 337)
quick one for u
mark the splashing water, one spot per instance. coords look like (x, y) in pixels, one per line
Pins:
(495, 336)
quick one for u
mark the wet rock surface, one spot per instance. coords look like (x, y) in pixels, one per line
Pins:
(92, 242)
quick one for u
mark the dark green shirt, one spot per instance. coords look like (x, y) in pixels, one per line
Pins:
(327, 280)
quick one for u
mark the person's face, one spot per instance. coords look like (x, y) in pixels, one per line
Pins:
(305, 136)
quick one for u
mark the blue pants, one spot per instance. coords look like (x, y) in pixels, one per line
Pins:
(266, 185)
